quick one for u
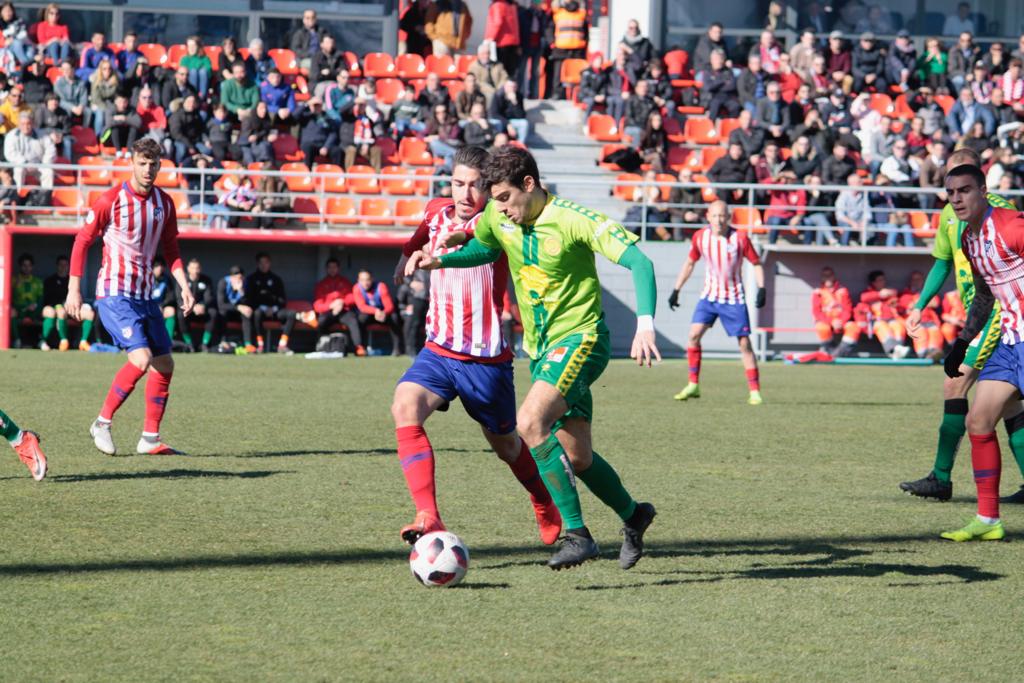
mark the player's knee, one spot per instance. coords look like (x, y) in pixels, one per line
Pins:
(694, 340)
(87, 313)
(49, 312)
(954, 387)
(530, 426)
(978, 422)
(404, 412)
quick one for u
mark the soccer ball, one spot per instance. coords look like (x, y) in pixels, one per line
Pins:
(439, 558)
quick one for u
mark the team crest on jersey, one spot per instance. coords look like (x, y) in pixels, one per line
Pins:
(988, 247)
(552, 246)
(127, 332)
(158, 213)
(557, 355)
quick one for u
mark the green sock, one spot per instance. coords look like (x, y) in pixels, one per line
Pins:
(951, 433)
(603, 481)
(62, 329)
(207, 337)
(187, 338)
(1015, 430)
(47, 328)
(86, 330)
(8, 429)
(169, 324)
(556, 472)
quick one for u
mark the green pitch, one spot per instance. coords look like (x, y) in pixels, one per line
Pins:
(782, 548)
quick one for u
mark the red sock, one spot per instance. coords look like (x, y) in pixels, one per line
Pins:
(121, 388)
(417, 458)
(753, 380)
(987, 462)
(525, 469)
(157, 390)
(693, 356)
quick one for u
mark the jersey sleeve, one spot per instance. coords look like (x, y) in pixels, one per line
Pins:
(1010, 224)
(95, 223)
(603, 235)
(485, 227)
(943, 248)
(169, 239)
(749, 252)
(695, 246)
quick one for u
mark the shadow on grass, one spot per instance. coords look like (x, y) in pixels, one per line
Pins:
(356, 451)
(850, 403)
(163, 474)
(480, 586)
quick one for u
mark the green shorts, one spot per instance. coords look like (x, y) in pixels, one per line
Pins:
(571, 365)
(985, 343)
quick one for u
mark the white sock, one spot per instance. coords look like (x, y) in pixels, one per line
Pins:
(16, 441)
(149, 436)
(101, 421)
(988, 520)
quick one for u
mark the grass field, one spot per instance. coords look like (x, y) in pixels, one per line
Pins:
(782, 548)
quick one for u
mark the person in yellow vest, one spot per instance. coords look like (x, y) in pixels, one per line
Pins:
(571, 32)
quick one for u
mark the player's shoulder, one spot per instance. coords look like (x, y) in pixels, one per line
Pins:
(1007, 217)
(567, 209)
(437, 207)
(998, 202)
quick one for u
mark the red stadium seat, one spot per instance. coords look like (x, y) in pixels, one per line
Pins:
(307, 208)
(398, 185)
(284, 60)
(213, 52)
(455, 86)
(710, 155)
(376, 211)
(410, 65)
(725, 127)
(700, 130)
(298, 183)
(746, 218)
(415, 152)
(155, 53)
(665, 190)
(67, 201)
(181, 205)
(175, 53)
(85, 141)
(423, 185)
(92, 174)
(946, 102)
(409, 211)
(243, 52)
(63, 176)
(902, 109)
(603, 128)
(673, 129)
(168, 175)
(334, 181)
(388, 90)
(362, 185)
(388, 151)
(605, 151)
(443, 66)
(286, 148)
(462, 64)
(52, 74)
(625, 192)
(354, 70)
(341, 210)
(571, 70)
(379, 65)
(881, 103)
(678, 157)
(922, 225)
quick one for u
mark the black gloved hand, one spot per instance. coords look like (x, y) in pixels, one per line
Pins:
(673, 299)
(955, 359)
(762, 297)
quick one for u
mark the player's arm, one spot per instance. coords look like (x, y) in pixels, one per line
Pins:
(417, 241)
(645, 347)
(95, 221)
(932, 284)
(172, 254)
(750, 254)
(977, 317)
(483, 248)
(817, 313)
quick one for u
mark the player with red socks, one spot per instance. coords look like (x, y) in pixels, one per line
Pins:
(993, 242)
(722, 297)
(465, 356)
(135, 220)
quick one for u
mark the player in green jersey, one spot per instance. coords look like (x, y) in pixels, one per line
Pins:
(550, 243)
(949, 256)
(26, 297)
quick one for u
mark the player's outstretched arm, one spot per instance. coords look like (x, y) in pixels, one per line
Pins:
(475, 253)
(645, 347)
(977, 316)
(762, 293)
(684, 274)
(932, 284)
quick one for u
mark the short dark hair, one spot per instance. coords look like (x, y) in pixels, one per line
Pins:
(968, 170)
(159, 261)
(26, 257)
(874, 275)
(193, 260)
(147, 148)
(332, 260)
(511, 165)
(714, 24)
(472, 156)
(262, 255)
(62, 257)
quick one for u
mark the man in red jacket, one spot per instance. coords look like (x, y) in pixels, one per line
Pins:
(503, 30)
(332, 296)
(373, 304)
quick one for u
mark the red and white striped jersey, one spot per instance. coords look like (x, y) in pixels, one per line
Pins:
(464, 316)
(723, 281)
(133, 228)
(997, 255)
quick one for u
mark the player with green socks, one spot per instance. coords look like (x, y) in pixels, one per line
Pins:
(26, 297)
(55, 292)
(25, 444)
(550, 243)
(950, 257)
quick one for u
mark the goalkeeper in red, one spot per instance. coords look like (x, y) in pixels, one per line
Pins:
(550, 243)
(135, 220)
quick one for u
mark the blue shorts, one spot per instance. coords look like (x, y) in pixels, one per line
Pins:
(486, 390)
(735, 318)
(134, 324)
(1006, 364)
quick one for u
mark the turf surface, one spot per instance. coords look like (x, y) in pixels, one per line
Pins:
(782, 548)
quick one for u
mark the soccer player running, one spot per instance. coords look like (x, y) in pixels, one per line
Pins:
(465, 356)
(25, 444)
(550, 243)
(949, 256)
(993, 242)
(722, 297)
(134, 219)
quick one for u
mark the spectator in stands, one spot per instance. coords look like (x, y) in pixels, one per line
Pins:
(593, 90)
(899, 167)
(965, 113)
(175, 90)
(801, 55)
(933, 65)
(339, 100)
(52, 38)
(787, 206)
(769, 164)
(34, 83)
(265, 292)
(443, 135)
(686, 205)
(332, 296)
(478, 130)
(709, 42)
(769, 51)
(653, 145)
(979, 140)
(26, 297)
(186, 130)
(638, 49)
(202, 193)
(773, 114)
(197, 67)
(502, 29)
(305, 40)
(747, 135)
(14, 31)
(373, 303)
(405, 111)
(95, 53)
(896, 226)
(649, 213)
(103, 86)
(996, 60)
(804, 160)
(413, 23)
(868, 65)
(154, 120)
(901, 61)
(326, 64)
(55, 293)
(53, 121)
(718, 89)
(273, 199)
(141, 78)
(448, 24)
(508, 108)
(962, 57)
(359, 140)
(11, 109)
(638, 110)
(490, 76)
(1002, 166)
(877, 143)
(124, 61)
(852, 211)
(1019, 52)
(960, 22)
(434, 94)
(818, 215)
(238, 93)
(278, 96)
(789, 81)
(814, 129)
(233, 305)
(228, 57)
(877, 20)
(1012, 85)
(929, 111)
(981, 84)
(572, 31)
(27, 147)
(9, 198)
(471, 94)
(734, 167)
(932, 174)
(204, 311)
(239, 201)
(257, 136)
(839, 61)
(820, 79)
(751, 83)
(318, 133)
(619, 88)
(1005, 116)
(536, 32)
(258, 64)
(660, 87)
(124, 127)
(73, 94)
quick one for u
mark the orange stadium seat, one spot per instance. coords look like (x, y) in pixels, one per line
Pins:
(700, 130)
(388, 90)
(67, 201)
(409, 211)
(92, 174)
(376, 211)
(286, 148)
(571, 70)
(665, 190)
(122, 170)
(93, 197)
(85, 141)
(603, 128)
(455, 86)
(625, 192)
(710, 155)
(725, 127)
(168, 175)
(902, 109)
(284, 60)
(175, 53)
(341, 210)
(398, 185)
(181, 205)
(52, 74)
(410, 65)
(155, 53)
(946, 102)
(362, 185)
(298, 183)
(378, 65)
(462, 64)
(922, 225)
(423, 186)
(63, 177)
(243, 52)
(443, 66)
(706, 193)
(354, 70)
(334, 181)
(213, 52)
(746, 218)
(415, 152)
(307, 208)
(881, 103)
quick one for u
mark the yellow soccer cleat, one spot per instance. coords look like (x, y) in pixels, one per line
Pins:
(691, 390)
(977, 530)
(755, 398)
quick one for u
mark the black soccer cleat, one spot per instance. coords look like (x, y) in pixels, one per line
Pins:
(929, 487)
(1014, 499)
(633, 534)
(576, 549)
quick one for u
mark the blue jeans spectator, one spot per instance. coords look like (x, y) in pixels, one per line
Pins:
(200, 80)
(58, 51)
(522, 129)
(824, 233)
(99, 121)
(774, 222)
(402, 126)
(442, 149)
(894, 232)
(213, 213)
(22, 50)
(181, 150)
(261, 151)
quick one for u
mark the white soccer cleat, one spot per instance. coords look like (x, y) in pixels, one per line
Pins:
(154, 446)
(101, 436)
(900, 351)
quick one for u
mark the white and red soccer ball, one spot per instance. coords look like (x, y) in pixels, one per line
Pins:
(439, 558)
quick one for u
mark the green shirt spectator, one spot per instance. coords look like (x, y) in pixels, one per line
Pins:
(239, 94)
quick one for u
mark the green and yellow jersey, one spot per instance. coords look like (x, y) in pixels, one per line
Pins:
(26, 290)
(553, 267)
(947, 247)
